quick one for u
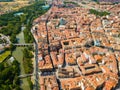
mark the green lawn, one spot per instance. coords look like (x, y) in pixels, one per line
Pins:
(20, 36)
(4, 55)
(18, 54)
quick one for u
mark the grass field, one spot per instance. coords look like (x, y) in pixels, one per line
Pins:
(18, 54)
(20, 37)
(4, 55)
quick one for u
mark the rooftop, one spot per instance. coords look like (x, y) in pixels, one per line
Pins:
(79, 48)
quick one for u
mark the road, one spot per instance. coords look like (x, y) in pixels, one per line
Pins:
(36, 66)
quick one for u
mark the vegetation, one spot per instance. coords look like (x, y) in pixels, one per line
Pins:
(30, 83)
(12, 47)
(27, 63)
(114, 2)
(7, 6)
(11, 24)
(4, 55)
(27, 36)
(31, 12)
(74, 3)
(9, 76)
(99, 13)
(18, 54)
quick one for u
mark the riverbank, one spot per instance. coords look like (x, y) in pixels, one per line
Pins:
(20, 36)
(14, 23)
(18, 54)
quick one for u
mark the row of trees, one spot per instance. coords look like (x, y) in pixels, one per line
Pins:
(99, 13)
(9, 76)
(27, 62)
(27, 36)
(28, 66)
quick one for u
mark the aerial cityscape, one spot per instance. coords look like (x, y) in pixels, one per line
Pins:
(60, 45)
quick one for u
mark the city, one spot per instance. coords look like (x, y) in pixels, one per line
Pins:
(60, 45)
(77, 50)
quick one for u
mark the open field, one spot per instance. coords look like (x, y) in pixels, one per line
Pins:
(4, 55)
(13, 5)
(20, 37)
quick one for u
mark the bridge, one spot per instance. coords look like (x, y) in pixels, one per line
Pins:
(23, 44)
(25, 75)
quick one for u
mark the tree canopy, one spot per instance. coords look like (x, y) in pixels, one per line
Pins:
(99, 13)
(9, 76)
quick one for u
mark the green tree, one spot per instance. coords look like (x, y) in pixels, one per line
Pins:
(7, 87)
(18, 88)
(1, 67)
(13, 38)
(12, 47)
(16, 81)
